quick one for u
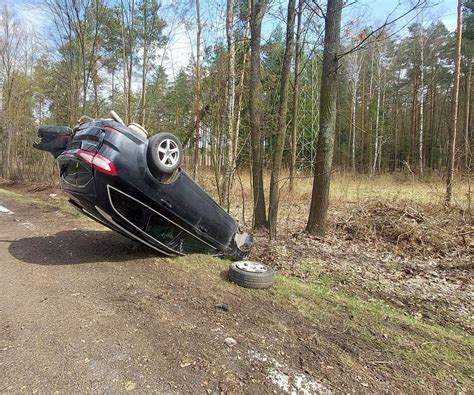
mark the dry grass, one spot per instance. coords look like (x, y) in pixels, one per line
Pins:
(394, 189)
(397, 187)
(388, 211)
(386, 235)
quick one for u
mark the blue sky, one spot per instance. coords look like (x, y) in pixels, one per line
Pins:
(181, 47)
(371, 10)
(444, 10)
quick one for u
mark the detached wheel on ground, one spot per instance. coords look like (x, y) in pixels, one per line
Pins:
(251, 274)
(165, 153)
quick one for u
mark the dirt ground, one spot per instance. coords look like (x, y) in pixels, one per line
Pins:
(83, 309)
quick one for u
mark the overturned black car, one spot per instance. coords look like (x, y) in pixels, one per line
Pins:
(134, 185)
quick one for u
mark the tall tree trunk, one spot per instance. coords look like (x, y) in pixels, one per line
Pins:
(371, 92)
(197, 93)
(240, 93)
(382, 123)
(362, 121)
(432, 120)
(255, 92)
(396, 115)
(325, 146)
(413, 120)
(112, 93)
(422, 105)
(296, 96)
(145, 64)
(130, 60)
(95, 88)
(467, 116)
(281, 130)
(352, 125)
(377, 121)
(229, 160)
(126, 87)
(454, 110)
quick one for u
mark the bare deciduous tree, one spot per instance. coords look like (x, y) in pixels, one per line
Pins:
(229, 161)
(258, 9)
(296, 95)
(353, 67)
(282, 114)
(197, 92)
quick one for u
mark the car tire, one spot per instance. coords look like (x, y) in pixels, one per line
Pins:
(251, 274)
(165, 153)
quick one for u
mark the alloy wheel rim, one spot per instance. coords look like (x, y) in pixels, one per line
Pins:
(252, 267)
(168, 153)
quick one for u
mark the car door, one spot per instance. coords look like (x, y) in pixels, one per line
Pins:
(187, 204)
(174, 237)
(156, 227)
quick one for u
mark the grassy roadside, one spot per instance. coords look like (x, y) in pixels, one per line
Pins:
(445, 351)
(377, 328)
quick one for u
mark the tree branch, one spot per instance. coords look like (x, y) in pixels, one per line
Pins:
(381, 28)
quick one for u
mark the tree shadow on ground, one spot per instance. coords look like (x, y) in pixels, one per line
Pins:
(78, 246)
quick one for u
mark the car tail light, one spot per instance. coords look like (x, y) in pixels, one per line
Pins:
(104, 165)
(86, 156)
(98, 162)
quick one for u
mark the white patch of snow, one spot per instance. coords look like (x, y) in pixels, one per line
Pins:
(290, 380)
(4, 210)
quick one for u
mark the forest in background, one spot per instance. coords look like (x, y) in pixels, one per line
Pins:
(242, 102)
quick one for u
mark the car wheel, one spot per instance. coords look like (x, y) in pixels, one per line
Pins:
(251, 274)
(165, 153)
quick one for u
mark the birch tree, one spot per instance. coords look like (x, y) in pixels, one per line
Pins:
(422, 98)
(353, 67)
(229, 162)
(12, 39)
(455, 99)
(197, 91)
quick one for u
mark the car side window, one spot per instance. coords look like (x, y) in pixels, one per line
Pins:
(156, 226)
(192, 245)
(173, 236)
(129, 208)
(161, 229)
